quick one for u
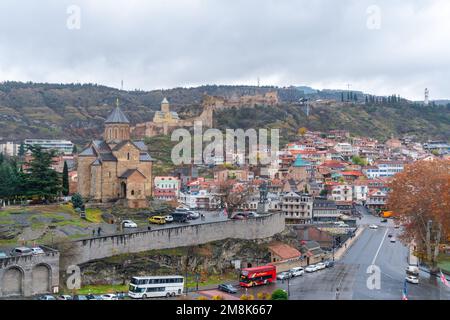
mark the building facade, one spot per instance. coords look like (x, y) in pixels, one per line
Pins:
(116, 168)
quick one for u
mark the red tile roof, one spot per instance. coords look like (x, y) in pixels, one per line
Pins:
(284, 251)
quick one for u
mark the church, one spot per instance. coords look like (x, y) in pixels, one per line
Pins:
(116, 169)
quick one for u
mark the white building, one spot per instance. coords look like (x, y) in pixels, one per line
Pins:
(63, 146)
(383, 169)
(342, 193)
(297, 208)
(9, 148)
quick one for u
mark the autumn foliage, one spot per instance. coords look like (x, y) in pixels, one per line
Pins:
(420, 197)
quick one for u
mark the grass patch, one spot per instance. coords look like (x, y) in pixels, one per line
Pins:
(94, 215)
(210, 280)
(102, 289)
(444, 262)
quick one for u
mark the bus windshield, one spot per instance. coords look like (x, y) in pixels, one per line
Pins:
(136, 289)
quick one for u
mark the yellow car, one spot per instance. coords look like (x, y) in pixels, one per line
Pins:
(157, 220)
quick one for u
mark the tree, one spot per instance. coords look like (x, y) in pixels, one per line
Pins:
(42, 180)
(359, 161)
(75, 149)
(232, 196)
(302, 131)
(77, 200)
(9, 181)
(342, 96)
(65, 180)
(22, 150)
(279, 294)
(420, 199)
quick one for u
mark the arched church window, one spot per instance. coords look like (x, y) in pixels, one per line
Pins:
(128, 156)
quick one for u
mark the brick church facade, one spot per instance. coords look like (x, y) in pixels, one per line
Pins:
(116, 169)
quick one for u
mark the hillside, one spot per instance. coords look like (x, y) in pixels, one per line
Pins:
(76, 111)
(379, 121)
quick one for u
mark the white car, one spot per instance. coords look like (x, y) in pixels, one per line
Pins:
(297, 271)
(321, 266)
(412, 279)
(393, 240)
(129, 224)
(193, 214)
(65, 297)
(37, 250)
(168, 219)
(373, 226)
(109, 296)
(284, 275)
(311, 268)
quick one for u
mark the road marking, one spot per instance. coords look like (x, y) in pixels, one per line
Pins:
(379, 247)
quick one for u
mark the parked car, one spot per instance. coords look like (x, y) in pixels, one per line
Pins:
(157, 220)
(384, 220)
(192, 215)
(169, 219)
(181, 209)
(311, 268)
(37, 250)
(227, 288)
(79, 297)
(179, 216)
(329, 264)
(21, 251)
(296, 272)
(3, 255)
(392, 240)
(284, 275)
(412, 279)
(253, 214)
(412, 270)
(373, 226)
(321, 266)
(46, 297)
(129, 224)
(397, 226)
(64, 297)
(390, 235)
(239, 216)
(109, 296)
(93, 297)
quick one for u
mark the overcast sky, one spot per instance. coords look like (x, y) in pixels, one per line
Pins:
(170, 43)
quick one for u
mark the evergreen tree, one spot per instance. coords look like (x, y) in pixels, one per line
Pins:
(74, 150)
(342, 97)
(9, 181)
(42, 181)
(65, 180)
(77, 201)
(22, 150)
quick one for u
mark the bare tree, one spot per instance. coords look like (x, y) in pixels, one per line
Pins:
(231, 196)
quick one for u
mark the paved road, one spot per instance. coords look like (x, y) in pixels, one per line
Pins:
(373, 247)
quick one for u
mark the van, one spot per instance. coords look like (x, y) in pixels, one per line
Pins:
(179, 216)
(157, 220)
(21, 251)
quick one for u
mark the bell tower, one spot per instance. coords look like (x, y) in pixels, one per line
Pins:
(117, 126)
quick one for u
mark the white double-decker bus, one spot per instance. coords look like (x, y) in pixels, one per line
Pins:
(156, 286)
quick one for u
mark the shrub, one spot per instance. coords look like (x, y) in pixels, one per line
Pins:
(279, 294)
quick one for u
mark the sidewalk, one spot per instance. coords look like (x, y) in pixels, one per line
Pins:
(347, 244)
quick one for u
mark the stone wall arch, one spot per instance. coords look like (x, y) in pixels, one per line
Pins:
(13, 280)
(41, 278)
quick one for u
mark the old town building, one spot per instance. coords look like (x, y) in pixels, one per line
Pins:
(116, 169)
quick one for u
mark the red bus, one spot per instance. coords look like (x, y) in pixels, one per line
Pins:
(258, 276)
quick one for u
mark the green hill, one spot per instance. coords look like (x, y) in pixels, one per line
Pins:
(77, 112)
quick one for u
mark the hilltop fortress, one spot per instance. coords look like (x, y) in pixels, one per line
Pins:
(165, 120)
